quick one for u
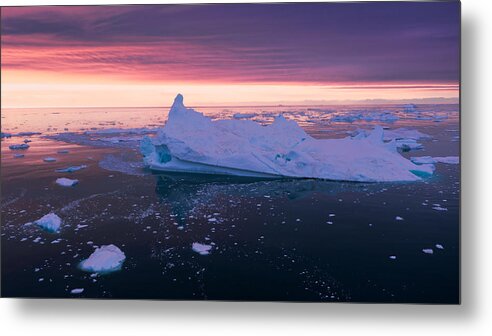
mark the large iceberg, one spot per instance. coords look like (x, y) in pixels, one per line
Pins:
(193, 143)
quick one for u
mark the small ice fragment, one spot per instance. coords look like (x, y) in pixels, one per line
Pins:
(50, 222)
(63, 151)
(428, 251)
(393, 257)
(49, 159)
(398, 218)
(212, 219)
(76, 291)
(106, 258)
(66, 182)
(439, 246)
(19, 147)
(439, 208)
(202, 249)
(71, 169)
(18, 156)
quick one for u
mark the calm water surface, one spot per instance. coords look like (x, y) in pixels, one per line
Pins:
(306, 240)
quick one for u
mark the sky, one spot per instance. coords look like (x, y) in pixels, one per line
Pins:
(225, 54)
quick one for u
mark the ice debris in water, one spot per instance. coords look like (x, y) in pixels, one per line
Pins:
(432, 160)
(50, 222)
(71, 169)
(19, 147)
(107, 258)
(18, 156)
(49, 159)
(76, 291)
(398, 218)
(428, 251)
(243, 115)
(63, 151)
(66, 182)
(393, 257)
(202, 249)
(193, 143)
(439, 246)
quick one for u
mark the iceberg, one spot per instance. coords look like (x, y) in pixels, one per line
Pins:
(105, 259)
(50, 222)
(193, 143)
(66, 182)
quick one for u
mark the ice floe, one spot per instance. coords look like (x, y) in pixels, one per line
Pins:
(50, 222)
(193, 143)
(243, 115)
(71, 169)
(66, 182)
(432, 160)
(107, 258)
(49, 159)
(202, 249)
(77, 291)
(19, 146)
(428, 251)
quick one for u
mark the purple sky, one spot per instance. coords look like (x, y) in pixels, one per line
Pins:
(328, 43)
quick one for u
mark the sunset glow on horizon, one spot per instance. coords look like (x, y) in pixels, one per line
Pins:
(228, 54)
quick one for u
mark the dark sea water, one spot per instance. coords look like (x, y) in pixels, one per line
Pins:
(289, 240)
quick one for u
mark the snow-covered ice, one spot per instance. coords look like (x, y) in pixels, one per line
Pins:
(106, 258)
(71, 169)
(193, 143)
(66, 182)
(50, 222)
(202, 249)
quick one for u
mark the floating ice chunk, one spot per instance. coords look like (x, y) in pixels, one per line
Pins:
(393, 257)
(66, 182)
(107, 258)
(410, 108)
(408, 144)
(448, 159)
(5, 135)
(71, 169)
(18, 156)
(439, 246)
(193, 143)
(77, 291)
(23, 134)
(63, 151)
(440, 208)
(19, 147)
(49, 159)
(432, 160)
(202, 249)
(243, 115)
(50, 222)
(398, 218)
(423, 160)
(428, 251)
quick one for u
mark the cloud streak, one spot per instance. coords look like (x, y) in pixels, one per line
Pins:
(324, 43)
